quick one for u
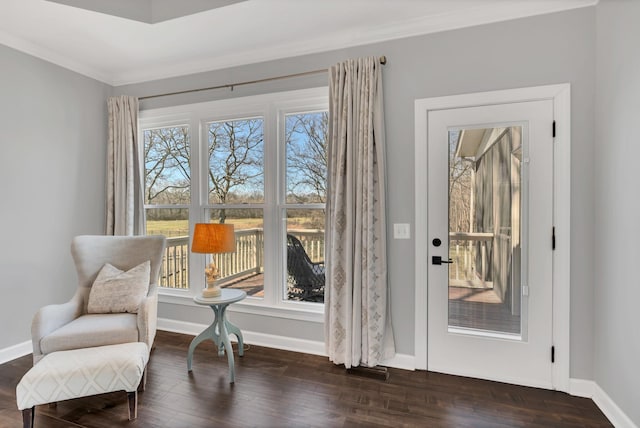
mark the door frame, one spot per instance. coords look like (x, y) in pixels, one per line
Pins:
(561, 273)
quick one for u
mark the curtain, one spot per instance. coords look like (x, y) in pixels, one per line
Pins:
(125, 206)
(357, 317)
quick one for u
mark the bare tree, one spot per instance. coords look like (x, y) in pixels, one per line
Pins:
(236, 172)
(235, 161)
(166, 156)
(460, 182)
(307, 157)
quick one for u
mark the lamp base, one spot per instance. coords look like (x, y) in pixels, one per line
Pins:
(212, 290)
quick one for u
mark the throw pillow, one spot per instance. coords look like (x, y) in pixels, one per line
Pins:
(115, 291)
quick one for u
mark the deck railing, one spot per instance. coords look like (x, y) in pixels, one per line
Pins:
(247, 259)
(313, 242)
(174, 272)
(469, 253)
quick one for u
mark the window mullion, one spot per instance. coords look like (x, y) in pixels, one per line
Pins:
(271, 218)
(196, 213)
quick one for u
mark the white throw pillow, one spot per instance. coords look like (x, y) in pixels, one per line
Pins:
(115, 291)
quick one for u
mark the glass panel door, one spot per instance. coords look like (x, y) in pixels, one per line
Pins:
(489, 219)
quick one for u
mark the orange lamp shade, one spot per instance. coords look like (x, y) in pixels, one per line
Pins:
(213, 238)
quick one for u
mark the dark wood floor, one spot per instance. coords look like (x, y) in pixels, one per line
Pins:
(285, 389)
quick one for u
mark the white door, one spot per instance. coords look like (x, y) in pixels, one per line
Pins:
(489, 227)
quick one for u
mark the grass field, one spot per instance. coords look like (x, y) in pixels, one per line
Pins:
(171, 228)
(168, 228)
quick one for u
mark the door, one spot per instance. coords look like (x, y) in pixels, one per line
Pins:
(489, 227)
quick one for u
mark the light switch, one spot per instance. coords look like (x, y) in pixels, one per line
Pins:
(401, 231)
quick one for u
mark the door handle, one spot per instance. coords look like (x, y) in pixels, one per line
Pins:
(437, 260)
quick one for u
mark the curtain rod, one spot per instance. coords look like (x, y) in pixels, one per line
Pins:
(383, 60)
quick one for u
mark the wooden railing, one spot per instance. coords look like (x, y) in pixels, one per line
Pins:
(174, 272)
(313, 242)
(469, 253)
(248, 258)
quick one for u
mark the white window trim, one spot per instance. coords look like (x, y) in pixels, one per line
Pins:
(273, 108)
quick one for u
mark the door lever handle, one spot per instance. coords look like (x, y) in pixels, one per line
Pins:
(437, 260)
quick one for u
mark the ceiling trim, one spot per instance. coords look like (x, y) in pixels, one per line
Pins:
(147, 11)
(37, 51)
(416, 27)
(340, 40)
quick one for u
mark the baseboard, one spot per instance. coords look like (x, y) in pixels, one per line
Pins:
(618, 418)
(252, 338)
(182, 327)
(590, 389)
(285, 343)
(15, 351)
(400, 361)
(582, 388)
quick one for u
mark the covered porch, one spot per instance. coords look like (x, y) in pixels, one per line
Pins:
(485, 201)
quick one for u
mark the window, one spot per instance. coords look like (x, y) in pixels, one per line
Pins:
(167, 196)
(304, 205)
(235, 159)
(259, 163)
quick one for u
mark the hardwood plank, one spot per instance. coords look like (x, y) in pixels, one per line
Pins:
(277, 388)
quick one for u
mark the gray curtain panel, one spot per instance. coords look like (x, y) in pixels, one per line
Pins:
(125, 204)
(357, 317)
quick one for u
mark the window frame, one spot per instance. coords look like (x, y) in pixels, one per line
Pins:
(273, 108)
(282, 204)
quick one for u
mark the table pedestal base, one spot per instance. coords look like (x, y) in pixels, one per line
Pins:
(218, 332)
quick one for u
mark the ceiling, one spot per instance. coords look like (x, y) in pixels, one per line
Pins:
(129, 41)
(149, 11)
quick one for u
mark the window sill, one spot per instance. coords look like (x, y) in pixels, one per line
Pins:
(309, 312)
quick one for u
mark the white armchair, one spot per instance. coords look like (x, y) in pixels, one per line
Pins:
(69, 326)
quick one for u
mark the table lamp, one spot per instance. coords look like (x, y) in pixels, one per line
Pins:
(213, 238)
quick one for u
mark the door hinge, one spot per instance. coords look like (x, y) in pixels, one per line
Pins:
(553, 129)
(553, 354)
(553, 238)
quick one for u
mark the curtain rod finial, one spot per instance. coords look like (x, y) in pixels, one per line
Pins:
(383, 60)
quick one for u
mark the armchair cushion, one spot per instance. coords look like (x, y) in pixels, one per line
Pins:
(115, 291)
(88, 331)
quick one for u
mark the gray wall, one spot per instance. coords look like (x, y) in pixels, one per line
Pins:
(541, 50)
(617, 203)
(53, 148)
(53, 142)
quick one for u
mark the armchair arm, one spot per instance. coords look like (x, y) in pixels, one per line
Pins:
(50, 318)
(148, 316)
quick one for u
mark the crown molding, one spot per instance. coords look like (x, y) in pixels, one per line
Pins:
(501, 11)
(351, 38)
(44, 54)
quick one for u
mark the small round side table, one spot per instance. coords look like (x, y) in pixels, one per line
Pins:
(220, 329)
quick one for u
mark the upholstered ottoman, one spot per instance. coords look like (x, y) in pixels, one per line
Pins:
(82, 372)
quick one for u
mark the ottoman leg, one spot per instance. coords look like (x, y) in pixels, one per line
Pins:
(28, 416)
(133, 404)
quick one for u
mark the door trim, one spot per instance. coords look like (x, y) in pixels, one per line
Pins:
(561, 96)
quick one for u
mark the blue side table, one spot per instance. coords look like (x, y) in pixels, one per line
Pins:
(220, 329)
